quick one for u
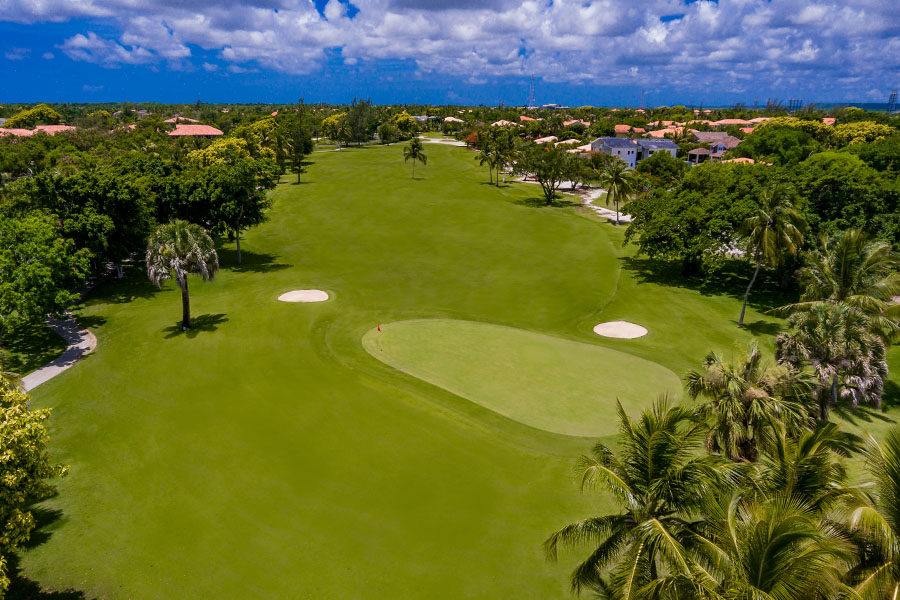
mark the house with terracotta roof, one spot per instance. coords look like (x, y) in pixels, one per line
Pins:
(190, 130)
(747, 130)
(727, 122)
(546, 140)
(829, 120)
(453, 120)
(181, 120)
(524, 119)
(698, 155)
(576, 122)
(45, 129)
(503, 123)
(623, 129)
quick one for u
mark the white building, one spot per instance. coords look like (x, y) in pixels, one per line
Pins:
(624, 149)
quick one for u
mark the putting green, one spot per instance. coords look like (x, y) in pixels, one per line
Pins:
(543, 381)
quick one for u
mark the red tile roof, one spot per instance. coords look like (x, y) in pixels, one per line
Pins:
(196, 130)
(829, 120)
(181, 120)
(17, 132)
(53, 129)
(623, 128)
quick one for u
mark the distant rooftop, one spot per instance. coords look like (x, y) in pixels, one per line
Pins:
(614, 142)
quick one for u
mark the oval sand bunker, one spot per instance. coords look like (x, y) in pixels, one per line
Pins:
(620, 329)
(304, 296)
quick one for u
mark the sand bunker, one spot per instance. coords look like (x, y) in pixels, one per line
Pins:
(620, 329)
(304, 296)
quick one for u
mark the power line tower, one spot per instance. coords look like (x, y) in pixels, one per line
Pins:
(531, 93)
(892, 102)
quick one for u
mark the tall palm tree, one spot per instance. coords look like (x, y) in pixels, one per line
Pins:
(854, 268)
(875, 518)
(660, 481)
(847, 358)
(415, 152)
(746, 401)
(619, 182)
(181, 248)
(776, 229)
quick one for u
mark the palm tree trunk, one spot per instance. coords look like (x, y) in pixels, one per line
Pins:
(237, 235)
(747, 293)
(617, 211)
(185, 306)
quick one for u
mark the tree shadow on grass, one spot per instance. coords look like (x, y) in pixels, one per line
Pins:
(858, 415)
(541, 202)
(23, 588)
(730, 279)
(251, 262)
(199, 324)
(760, 327)
(133, 286)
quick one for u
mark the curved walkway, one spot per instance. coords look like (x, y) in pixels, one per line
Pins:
(81, 342)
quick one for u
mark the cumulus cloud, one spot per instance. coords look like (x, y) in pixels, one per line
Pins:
(730, 44)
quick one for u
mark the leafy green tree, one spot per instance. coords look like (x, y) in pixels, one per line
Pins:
(619, 182)
(388, 133)
(836, 341)
(881, 155)
(663, 169)
(415, 152)
(37, 270)
(181, 248)
(39, 115)
(236, 185)
(546, 163)
(406, 125)
(660, 482)
(779, 145)
(748, 401)
(360, 121)
(841, 192)
(775, 230)
(25, 470)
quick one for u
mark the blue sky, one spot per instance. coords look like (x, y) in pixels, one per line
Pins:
(449, 51)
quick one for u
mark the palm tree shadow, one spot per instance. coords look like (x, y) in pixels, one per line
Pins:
(132, 286)
(861, 414)
(760, 327)
(202, 323)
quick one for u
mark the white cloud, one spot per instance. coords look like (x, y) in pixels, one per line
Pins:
(725, 45)
(17, 53)
(48, 56)
(210, 68)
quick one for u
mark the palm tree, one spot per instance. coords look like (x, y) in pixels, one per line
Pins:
(619, 183)
(775, 229)
(747, 400)
(776, 548)
(415, 152)
(875, 519)
(660, 481)
(847, 358)
(854, 268)
(181, 248)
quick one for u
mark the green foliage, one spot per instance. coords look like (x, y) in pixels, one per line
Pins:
(414, 151)
(847, 134)
(388, 133)
(180, 249)
(663, 169)
(405, 124)
(838, 191)
(699, 220)
(25, 469)
(881, 155)
(39, 115)
(37, 270)
(779, 145)
(546, 164)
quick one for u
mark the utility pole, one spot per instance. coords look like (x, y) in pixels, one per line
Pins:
(531, 92)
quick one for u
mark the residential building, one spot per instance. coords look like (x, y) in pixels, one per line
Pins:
(624, 149)
(195, 131)
(649, 147)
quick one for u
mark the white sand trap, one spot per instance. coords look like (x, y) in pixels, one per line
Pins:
(304, 296)
(620, 329)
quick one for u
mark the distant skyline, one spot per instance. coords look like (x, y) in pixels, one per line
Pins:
(450, 51)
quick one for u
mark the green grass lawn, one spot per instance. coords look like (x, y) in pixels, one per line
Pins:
(546, 382)
(267, 454)
(29, 347)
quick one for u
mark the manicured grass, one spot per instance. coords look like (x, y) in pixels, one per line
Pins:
(27, 348)
(266, 454)
(543, 381)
